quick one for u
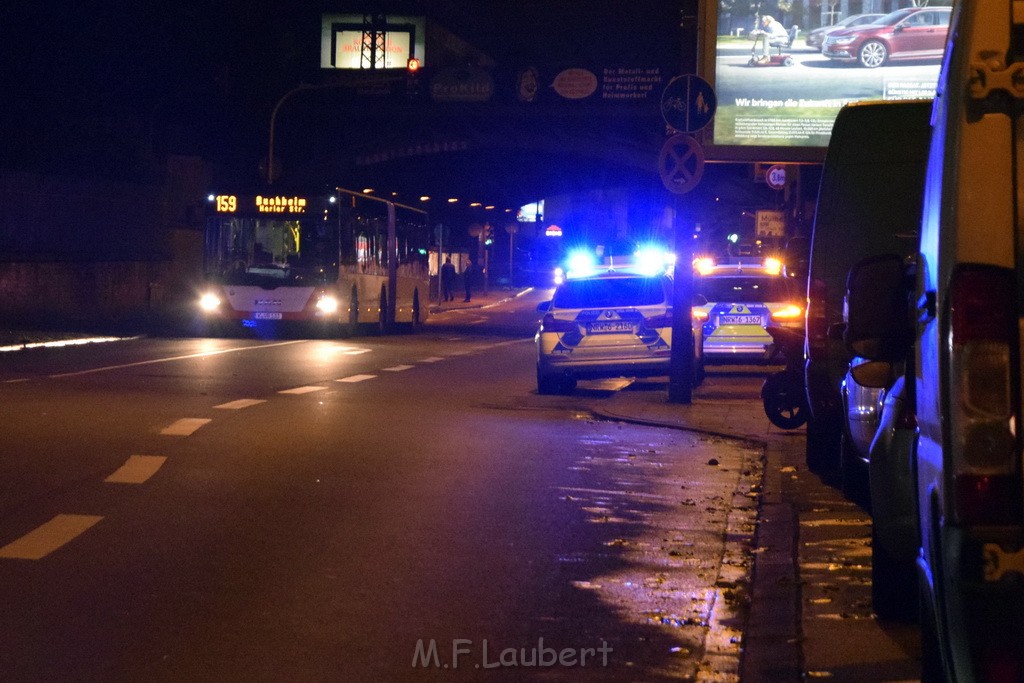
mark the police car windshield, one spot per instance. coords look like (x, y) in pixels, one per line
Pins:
(610, 293)
(744, 288)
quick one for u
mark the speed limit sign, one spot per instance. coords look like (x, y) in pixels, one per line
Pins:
(680, 163)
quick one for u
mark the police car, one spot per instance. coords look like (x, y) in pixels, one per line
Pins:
(606, 321)
(744, 297)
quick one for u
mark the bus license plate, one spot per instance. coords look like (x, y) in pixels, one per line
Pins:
(615, 326)
(739, 320)
(267, 315)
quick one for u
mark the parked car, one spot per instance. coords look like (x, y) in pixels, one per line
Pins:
(964, 342)
(894, 536)
(743, 298)
(816, 37)
(606, 323)
(861, 211)
(911, 33)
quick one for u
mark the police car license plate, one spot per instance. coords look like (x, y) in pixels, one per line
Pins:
(614, 326)
(739, 320)
(267, 315)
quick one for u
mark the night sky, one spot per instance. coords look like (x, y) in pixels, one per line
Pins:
(109, 88)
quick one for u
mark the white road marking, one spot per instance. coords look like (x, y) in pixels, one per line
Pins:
(63, 342)
(355, 378)
(240, 403)
(173, 358)
(185, 426)
(39, 543)
(356, 352)
(137, 469)
(398, 368)
(302, 390)
(432, 359)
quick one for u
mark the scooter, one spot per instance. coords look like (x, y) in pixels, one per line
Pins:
(757, 57)
(783, 393)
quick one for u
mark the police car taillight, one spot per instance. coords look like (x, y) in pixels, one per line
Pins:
(983, 410)
(790, 312)
(552, 324)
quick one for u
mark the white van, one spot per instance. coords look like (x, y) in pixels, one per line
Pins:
(963, 336)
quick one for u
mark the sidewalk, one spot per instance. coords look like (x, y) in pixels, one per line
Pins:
(478, 299)
(772, 649)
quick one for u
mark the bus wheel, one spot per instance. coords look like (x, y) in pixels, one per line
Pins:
(382, 319)
(353, 312)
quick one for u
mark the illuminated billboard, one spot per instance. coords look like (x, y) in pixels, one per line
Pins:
(352, 41)
(778, 102)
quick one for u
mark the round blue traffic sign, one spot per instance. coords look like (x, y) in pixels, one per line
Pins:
(688, 103)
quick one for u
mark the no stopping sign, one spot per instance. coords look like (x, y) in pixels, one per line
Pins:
(680, 163)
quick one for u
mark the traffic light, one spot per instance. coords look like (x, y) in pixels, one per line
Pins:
(488, 234)
(412, 77)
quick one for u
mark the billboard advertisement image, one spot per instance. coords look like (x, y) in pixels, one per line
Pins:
(780, 84)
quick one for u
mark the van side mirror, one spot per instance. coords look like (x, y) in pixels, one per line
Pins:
(879, 324)
(543, 306)
(699, 299)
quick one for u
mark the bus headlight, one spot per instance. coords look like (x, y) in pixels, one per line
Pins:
(209, 302)
(327, 304)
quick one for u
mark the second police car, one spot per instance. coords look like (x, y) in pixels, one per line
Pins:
(607, 321)
(744, 297)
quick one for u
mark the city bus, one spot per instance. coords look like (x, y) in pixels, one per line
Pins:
(331, 262)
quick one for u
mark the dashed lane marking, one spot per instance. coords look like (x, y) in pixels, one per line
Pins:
(398, 368)
(185, 426)
(302, 390)
(240, 403)
(137, 469)
(431, 359)
(356, 378)
(355, 352)
(39, 543)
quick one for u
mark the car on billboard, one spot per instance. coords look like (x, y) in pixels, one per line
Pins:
(816, 37)
(911, 33)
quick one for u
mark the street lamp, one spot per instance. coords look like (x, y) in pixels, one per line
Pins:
(273, 120)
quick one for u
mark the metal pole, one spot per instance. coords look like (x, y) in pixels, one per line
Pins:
(273, 121)
(511, 235)
(389, 314)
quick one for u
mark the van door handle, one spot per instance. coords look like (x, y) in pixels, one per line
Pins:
(926, 307)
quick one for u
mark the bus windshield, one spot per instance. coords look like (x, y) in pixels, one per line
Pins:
(272, 250)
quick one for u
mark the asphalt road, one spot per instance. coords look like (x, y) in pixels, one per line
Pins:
(325, 510)
(234, 509)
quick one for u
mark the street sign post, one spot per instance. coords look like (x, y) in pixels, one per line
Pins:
(680, 164)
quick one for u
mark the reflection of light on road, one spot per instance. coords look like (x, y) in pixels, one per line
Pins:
(64, 342)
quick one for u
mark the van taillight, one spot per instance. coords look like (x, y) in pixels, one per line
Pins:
(552, 324)
(816, 321)
(983, 410)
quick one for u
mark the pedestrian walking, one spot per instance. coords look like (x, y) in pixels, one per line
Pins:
(467, 278)
(447, 279)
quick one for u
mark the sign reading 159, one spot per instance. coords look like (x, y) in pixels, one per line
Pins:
(226, 203)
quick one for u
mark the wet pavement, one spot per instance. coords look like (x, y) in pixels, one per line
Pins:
(809, 596)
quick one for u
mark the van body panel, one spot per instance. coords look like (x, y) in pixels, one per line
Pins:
(969, 571)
